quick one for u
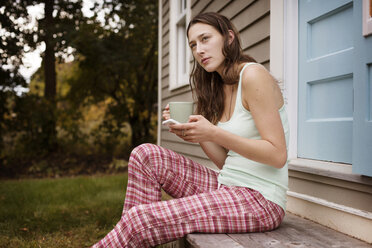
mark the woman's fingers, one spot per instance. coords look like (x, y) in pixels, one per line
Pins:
(166, 113)
(194, 118)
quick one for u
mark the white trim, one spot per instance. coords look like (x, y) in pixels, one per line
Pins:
(284, 59)
(322, 165)
(341, 218)
(174, 18)
(322, 202)
(291, 70)
(276, 39)
(160, 50)
(172, 45)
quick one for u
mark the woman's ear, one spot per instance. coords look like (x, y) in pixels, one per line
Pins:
(231, 36)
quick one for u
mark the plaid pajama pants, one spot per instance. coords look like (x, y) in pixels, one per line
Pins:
(199, 204)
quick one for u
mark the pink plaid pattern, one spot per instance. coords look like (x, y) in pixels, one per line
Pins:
(199, 205)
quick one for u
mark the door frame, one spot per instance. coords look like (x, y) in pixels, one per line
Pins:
(284, 67)
(284, 60)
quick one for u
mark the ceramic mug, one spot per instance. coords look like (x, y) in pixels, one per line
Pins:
(180, 111)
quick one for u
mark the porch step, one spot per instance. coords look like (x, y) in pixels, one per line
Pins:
(294, 232)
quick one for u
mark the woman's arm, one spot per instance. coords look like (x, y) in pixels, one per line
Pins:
(215, 152)
(261, 96)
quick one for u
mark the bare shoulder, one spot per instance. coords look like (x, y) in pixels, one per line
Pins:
(255, 75)
(259, 84)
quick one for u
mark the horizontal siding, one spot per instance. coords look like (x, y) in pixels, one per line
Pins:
(179, 95)
(346, 193)
(165, 39)
(164, 74)
(165, 7)
(252, 19)
(256, 33)
(251, 15)
(190, 151)
(200, 6)
(216, 6)
(203, 161)
(235, 7)
(165, 59)
(193, 2)
(165, 28)
(165, 49)
(260, 51)
(186, 148)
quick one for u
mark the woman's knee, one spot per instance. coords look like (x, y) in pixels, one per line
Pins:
(143, 152)
(137, 220)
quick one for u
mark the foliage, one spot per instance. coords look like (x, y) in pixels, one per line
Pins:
(21, 34)
(104, 102)
(120, 63)
(14, 37)
(55, 29)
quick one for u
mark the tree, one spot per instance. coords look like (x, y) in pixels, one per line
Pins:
(118, 59)
(56, 30)
(10, 60)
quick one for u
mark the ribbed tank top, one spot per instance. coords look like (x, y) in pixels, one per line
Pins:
(271, 182)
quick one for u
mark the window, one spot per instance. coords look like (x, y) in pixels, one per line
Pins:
(179, 53)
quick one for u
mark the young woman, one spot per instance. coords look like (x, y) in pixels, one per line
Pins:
(242, 126)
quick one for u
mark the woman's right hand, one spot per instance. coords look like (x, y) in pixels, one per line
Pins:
(166, 113)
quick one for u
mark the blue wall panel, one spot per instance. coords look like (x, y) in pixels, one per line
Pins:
(325, 124)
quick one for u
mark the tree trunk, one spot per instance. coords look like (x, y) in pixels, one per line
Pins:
(49, 128)
(49, 60)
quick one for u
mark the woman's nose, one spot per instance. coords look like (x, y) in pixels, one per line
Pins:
(199, 49)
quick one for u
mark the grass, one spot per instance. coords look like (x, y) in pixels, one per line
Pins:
(66, 212)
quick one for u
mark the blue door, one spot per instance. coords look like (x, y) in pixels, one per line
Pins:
(325, 117)
(362, 135)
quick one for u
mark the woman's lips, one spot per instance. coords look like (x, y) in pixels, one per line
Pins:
(205, 60)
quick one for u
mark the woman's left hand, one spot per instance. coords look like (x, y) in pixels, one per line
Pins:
(198, 129)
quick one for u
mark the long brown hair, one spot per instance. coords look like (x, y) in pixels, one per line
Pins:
(207, 87)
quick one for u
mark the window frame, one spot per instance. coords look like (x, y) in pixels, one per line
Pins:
(179, 18)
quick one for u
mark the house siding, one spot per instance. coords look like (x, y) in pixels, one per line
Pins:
(252, 20)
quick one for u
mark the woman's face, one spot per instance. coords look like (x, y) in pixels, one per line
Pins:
(206, 44)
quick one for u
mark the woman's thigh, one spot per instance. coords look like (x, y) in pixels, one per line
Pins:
(227, 210)
(177, 174)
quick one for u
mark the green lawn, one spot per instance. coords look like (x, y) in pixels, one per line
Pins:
(67, 212)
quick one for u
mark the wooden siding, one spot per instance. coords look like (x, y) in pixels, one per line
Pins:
(357, 195)
(252, 20)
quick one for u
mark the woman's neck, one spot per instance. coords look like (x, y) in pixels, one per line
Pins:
(237, 67)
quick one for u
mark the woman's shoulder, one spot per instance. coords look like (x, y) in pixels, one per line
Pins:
(258, 85)
(255, 74)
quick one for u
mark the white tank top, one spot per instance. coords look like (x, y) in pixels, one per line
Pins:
(271, 182)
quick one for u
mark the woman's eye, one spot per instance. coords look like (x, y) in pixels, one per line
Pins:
(205, 38)
(192, 46)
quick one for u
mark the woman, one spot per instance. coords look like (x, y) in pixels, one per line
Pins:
(241, 125)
